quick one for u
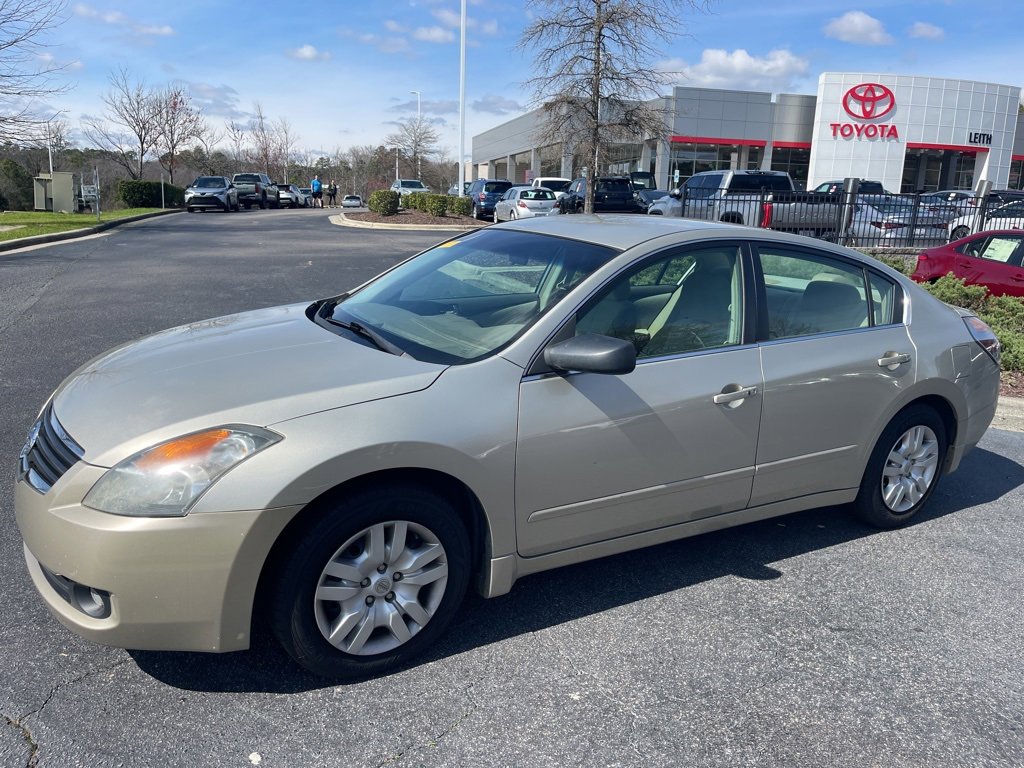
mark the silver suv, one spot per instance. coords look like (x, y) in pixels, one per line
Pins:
(408, 186)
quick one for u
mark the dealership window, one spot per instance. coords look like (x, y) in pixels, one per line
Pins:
(1016, 174)
(623, 158)
(689, 158)
(753, 158)
(795, 162)
(521, 164)
(551, 160)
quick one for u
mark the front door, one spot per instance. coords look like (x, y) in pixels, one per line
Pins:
(602, 456)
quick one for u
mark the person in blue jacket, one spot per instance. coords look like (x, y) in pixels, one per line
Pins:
(318, 192)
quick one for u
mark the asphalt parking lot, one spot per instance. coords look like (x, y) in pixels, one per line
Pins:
(807, 640)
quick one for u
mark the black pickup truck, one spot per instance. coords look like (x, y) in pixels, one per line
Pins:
(256, 189)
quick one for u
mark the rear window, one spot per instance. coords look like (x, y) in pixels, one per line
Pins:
(757, 182)
(247, 177)
(536, 194)
(497, 186)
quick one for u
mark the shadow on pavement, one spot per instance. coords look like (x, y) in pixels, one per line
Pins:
(554, 597)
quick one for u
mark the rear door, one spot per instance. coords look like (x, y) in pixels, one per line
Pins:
(835, 351)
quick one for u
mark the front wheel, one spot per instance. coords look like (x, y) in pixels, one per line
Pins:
(372, 583)
(263, 203)
(476, 212)
(904, 468)
(959, 232)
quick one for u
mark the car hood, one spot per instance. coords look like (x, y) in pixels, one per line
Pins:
(256, 368)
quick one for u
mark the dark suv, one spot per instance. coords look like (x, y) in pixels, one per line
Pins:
(485, 193)
(612, 194)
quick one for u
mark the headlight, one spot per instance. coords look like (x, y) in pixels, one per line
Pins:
(168, 479)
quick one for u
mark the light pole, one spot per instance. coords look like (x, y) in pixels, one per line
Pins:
(419, 162)
(462, 99)
(396, 163)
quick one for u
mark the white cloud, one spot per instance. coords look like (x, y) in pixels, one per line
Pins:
(388, 45)
(490, 28)
(434, 35)
(451, 18)
(859, 28)
(118, 19)
(496, 105)
(309, 53)
(719, 68)
(927, 31)
(393, 26)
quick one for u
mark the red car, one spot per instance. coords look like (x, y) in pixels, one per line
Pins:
(992, 259)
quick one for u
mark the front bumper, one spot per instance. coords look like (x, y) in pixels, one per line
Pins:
(181, 584)
(206, 201)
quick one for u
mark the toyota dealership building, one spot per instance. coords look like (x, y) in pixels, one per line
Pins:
(911, 133)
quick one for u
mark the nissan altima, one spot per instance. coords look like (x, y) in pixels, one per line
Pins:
(518, 398)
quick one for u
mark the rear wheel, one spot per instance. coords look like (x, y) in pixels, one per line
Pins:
(371, 584)
(904, 468)
(959, 232)
(263, 203)
(190, 209)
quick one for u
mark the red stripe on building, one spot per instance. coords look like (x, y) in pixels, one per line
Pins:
(710, 140)
(1017, 157)
(969, 148)
(792, 144)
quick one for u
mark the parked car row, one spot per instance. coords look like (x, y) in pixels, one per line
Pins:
(251, 189)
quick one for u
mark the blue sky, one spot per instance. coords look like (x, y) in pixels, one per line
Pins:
(343, 72)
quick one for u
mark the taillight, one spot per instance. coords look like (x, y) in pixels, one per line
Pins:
(521, 204)
(483, 195)
(887, 225)
(766, 216)
(984, 336)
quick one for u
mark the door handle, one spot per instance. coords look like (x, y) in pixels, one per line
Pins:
(734, 395)
(893, 360)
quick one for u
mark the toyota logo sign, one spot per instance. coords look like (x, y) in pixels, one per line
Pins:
(869, 101)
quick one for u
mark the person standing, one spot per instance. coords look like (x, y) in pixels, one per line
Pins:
(332, 194)
(318, 192)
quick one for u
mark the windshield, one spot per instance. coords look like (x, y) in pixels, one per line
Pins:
(246, 177)
(413, 185)
(464, 299)
(212, 182)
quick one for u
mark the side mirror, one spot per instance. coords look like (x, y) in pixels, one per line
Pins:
(592, 353)
(676, 193)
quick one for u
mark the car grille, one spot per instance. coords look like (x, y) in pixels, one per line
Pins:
(49, 452)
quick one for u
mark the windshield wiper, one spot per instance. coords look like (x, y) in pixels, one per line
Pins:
(368, 333)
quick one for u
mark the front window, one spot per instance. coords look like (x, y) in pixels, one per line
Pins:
(466, 298)
(687, 301)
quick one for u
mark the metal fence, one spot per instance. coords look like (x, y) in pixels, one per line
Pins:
(865, 220)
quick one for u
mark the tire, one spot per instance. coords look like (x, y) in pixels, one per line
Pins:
(959, 232)
(248, 206)
(190, 209)
(494, 215)
(382, 606)
(275, 203)
(512, 215)
(904, 468)
(263, 203)
(476, 212)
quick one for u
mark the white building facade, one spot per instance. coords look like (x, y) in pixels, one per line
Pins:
(911, 133)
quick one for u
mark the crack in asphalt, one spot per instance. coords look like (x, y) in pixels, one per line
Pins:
(26, 734)
(436, 740)
(22, 722)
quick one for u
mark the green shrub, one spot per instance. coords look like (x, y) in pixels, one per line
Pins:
(1003, 314)
(383, 202)
(953, 291)
(411, 202)
(146, 194)
(436, 205)
(460, 206)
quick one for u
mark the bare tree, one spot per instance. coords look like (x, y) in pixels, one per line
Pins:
(237, 138)
(206, 140)
(284, 138)
(417, 138)
(178, 123)
(264, 145)
(25, 75)
(594, 65)
(133, 108)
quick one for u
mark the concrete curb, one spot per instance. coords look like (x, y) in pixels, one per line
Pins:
(25, 242)
(341, 220)
(1009, 414)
